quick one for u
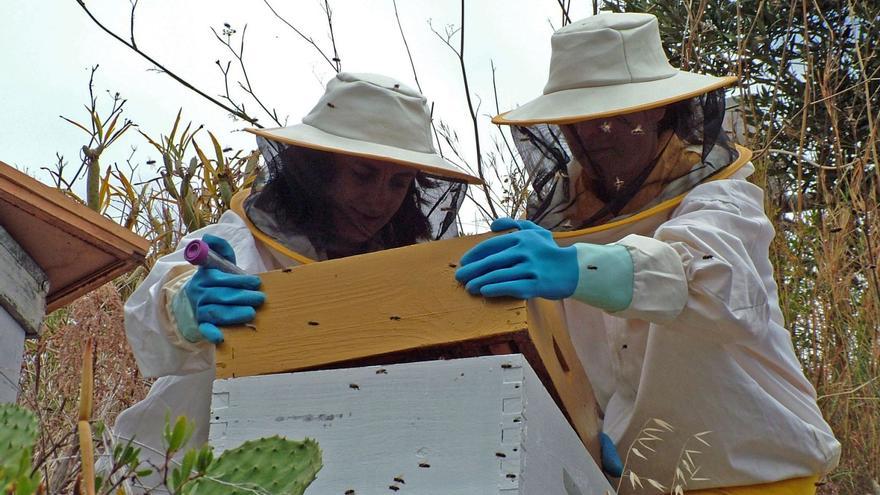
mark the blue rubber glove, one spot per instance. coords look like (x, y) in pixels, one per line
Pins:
(611, 463)
(218, 298)
(524, 264)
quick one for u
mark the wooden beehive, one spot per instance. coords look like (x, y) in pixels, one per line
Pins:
(52, 250)
(480, 425)
(78, 249)
(404, 305)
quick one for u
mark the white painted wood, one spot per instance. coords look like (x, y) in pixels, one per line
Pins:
(482, 425)
(11, 353)
(558, 462)
(23, 285)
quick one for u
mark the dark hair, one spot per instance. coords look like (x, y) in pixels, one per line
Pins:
(296, 192)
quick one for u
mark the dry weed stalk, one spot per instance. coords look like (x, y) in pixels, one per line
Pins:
(644, 446)
(84, 429)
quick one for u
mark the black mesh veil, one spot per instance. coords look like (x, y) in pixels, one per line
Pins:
(289, 202)
(696, 123)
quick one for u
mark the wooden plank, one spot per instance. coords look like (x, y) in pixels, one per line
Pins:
(337, 311)
(23, 285)
(77, 248)
(56, 205)
(479, 425)
(404, 305)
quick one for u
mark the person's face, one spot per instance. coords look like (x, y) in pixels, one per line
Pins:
(623, 143)
(364, 195)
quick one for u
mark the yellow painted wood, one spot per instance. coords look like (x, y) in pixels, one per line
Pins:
(403, 305)
(350, 308)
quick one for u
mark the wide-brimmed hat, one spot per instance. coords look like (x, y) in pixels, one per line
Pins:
(371, 116)
(609, 64)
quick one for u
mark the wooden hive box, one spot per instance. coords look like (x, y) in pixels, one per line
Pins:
(52, 250)
(480, 425)
(404, 305)
(78, 249)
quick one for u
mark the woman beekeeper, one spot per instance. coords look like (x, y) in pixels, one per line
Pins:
(360, 174)
(664, 268)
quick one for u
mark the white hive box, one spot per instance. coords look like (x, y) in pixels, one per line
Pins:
(482, 425)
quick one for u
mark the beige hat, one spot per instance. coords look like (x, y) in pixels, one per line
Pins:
(371, 116)
(609, 64)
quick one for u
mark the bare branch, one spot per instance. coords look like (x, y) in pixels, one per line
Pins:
(459, 52)
(467, 91)
(306, 38)
(162, 68)
(246, 87)
(564, 5)
(406, 45)
(329, 14)
(134, 4)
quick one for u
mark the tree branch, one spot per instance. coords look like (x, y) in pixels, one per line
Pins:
(131, 30)
(329, 14)
(565, 18)
(473, 114)
(133, 46)
(246, 87)
(308, 40)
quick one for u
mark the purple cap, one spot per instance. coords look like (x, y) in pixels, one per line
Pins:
(196, 252)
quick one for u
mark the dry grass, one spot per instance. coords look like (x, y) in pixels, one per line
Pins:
(51, 379)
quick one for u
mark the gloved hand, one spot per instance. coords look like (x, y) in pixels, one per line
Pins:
(523, 264)
(611, 463)
(217, 298)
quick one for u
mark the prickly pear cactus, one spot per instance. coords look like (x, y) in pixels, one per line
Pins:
(18, 434)
(273, 465)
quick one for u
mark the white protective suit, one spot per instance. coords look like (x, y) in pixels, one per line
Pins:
(702, 347)
(186, 369)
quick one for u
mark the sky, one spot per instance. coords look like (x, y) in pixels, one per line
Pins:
(47, 48)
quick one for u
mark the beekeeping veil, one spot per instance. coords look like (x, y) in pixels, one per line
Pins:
(602, 69)
(366, 116)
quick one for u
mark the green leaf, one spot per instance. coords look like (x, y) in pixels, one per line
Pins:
(77, 124)
(189, 461)
(218, 150)
(180, 434)
(100, 128)
(176, 479)
(174, 129)
(206, 456)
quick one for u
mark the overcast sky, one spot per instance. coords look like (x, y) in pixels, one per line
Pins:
(47, 48)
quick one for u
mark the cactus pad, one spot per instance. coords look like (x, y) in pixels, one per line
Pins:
(18, 434)
(273, 465)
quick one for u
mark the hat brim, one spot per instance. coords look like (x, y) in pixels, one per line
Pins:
(575, 105)
(314, 138)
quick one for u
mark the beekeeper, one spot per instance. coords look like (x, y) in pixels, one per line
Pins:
(359, 174)
(660, 253)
